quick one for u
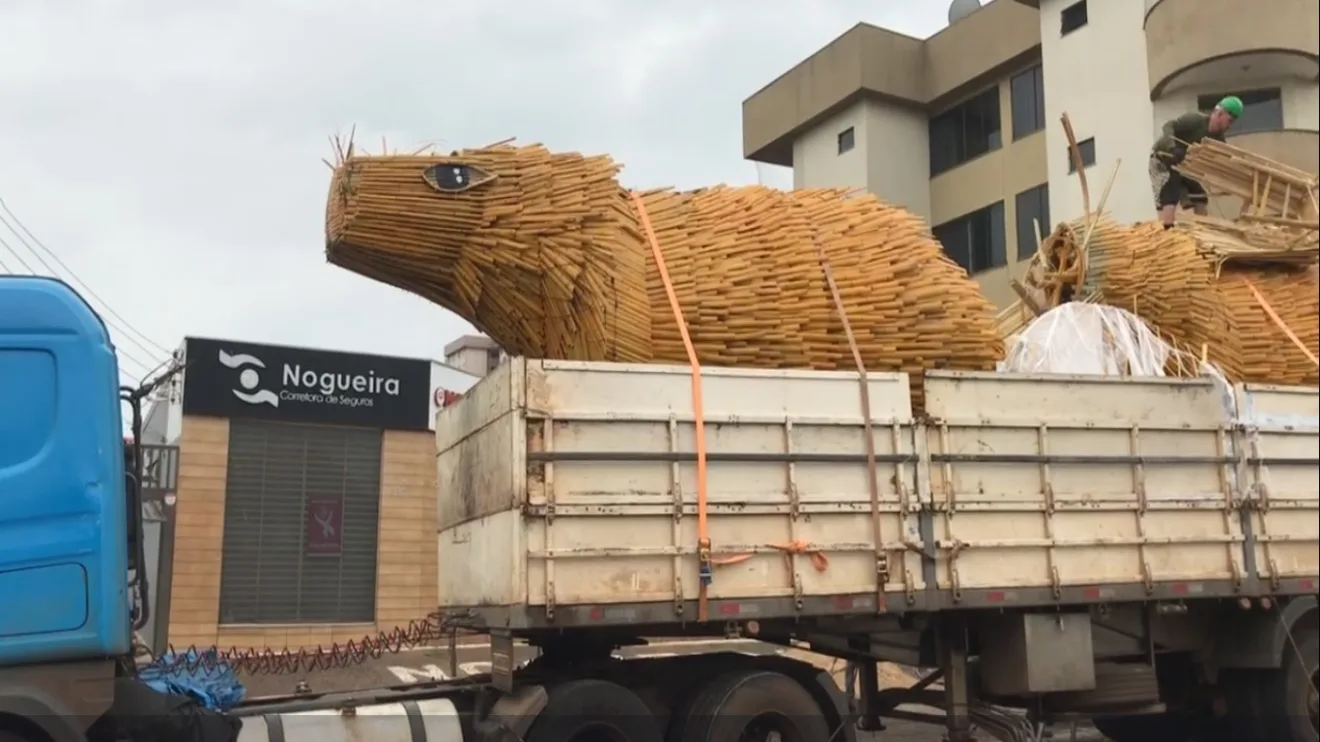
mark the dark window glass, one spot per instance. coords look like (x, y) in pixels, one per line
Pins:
(1072, 18)
(970, 129)
(1027, 91)
(846, 140)
(953, 236)
(1085, 148)
(982, 130)
(1262, 110)
(1032, 206)
(994, 237)
(946, 149)
(288, 489)
(976, 241)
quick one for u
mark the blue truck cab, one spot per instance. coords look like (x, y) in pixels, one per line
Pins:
(65, 520)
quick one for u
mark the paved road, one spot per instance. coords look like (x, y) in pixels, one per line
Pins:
(429, 664)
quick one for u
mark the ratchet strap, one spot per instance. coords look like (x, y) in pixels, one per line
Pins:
(1278, 321)
(872, 476)
(705, 559)
(705, 565)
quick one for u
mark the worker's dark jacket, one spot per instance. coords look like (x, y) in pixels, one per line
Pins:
(1186, 130)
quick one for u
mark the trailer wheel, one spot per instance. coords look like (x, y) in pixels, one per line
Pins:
(1151, 728)
(755, 706)
(594, 711)
(1239, 717)
(1288, 698)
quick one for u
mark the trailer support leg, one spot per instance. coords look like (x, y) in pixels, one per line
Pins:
(868, 672)
(957, 697)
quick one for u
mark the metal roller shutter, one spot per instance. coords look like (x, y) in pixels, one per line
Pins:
(268, 574)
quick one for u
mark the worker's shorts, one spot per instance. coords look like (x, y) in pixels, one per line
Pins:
(1171, 188)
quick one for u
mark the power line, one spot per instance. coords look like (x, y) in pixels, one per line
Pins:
(123, 352)
(32, 271)
(17, 257)
(125, 323)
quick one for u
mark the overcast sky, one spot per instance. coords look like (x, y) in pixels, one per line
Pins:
(170, 153)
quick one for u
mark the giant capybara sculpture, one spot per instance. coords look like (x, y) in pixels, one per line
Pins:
(546, 253)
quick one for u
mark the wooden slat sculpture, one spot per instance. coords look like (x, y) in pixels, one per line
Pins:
(1242, 294)
(1218, 290)
(543, 252)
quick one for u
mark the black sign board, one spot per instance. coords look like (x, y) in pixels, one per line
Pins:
(231, 379)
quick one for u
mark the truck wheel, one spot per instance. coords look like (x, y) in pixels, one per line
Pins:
(1288, 698)
(20, 730)
(594, 711)
(1152, 728)
(753, 706)
(1239, 718)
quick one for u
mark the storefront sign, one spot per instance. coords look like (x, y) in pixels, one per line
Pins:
(232, 379)
(325, 526)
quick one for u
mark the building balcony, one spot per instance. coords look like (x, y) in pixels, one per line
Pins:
(868, 62)
(1297, 148)
(1230, 44)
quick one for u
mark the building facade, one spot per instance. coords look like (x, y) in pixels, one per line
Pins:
(306, 502)
(963, 127)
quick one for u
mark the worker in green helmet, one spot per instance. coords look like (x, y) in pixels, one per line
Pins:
(1171, 188)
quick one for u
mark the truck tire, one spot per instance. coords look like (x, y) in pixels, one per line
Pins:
(1151, 728)
(1288, 696)
(756, 702)
(594, 711)
(1240, 718)
(21, 730)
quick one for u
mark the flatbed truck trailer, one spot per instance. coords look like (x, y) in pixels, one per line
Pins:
(1138, 551)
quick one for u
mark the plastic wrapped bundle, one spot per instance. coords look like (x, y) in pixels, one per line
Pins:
(1100, 340)
(1219, 290)
(545, 253)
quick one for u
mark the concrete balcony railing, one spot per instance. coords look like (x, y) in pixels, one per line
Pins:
(1206, 42)
(1297, 148)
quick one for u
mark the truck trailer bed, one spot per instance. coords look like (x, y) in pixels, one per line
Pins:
(568, 493)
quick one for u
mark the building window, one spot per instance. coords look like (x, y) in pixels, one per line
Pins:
(1262, 110)
(966, 131)
(302, 506)
(1072, 18)
(1032, 207)
(1085, 148)
(1028, 95)
(846, 140)
(976, 240)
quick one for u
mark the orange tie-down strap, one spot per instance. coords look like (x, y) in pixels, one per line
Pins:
(818, 558)
(707, 562)
(1283, 326)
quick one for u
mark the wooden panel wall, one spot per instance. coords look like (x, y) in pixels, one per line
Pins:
(407, 579)
(406, 568)
(199, 525)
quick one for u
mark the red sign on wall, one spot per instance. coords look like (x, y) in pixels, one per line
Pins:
(444, 397)
(325, 526)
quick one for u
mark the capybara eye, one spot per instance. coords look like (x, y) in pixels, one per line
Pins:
(448, 177)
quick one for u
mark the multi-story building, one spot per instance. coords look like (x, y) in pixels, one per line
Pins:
(963, 127)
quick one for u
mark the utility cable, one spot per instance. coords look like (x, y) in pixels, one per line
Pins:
(126, 355)
(126, 325)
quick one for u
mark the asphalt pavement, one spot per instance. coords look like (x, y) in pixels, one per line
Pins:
(430, 664)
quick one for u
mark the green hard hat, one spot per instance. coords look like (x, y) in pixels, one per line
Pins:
(1232, 105)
